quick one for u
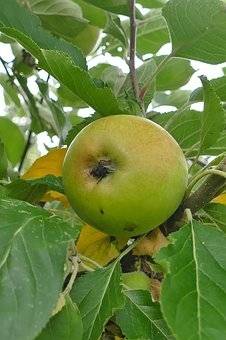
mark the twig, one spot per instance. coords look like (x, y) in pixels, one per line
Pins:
(6, 69)
(207, 191)
(26, 148)
(132, 55)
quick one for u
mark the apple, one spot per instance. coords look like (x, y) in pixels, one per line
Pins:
(87, 39)
(124, 175)
(136, 280)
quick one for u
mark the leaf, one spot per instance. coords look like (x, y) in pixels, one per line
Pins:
(152, 3)
(10, 89)
(13, 140)
(33, 190)
(216, 212)
(96, 16)
(221, 199)
(218, 85)
(66, 324)
(115, 28)
(151, 244)
(176, 73)
(194, 289)
(213, 117)
(98, 246)
(176, 98)
(98, 302)
(141, 318)
(114, 6)
(193, 38)
(3, 161)
(50, 164)
(26, 29)
(32, 255)
(62, 17)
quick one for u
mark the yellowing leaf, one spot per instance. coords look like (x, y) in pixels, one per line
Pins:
(151, 243)
(98, 246)
(50, 164)
(220, 199)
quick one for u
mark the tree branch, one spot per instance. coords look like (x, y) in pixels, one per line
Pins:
(213, 185)
(26, 148)
(132, 56)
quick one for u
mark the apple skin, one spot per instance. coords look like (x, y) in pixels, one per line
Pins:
(147, 182)
(86, 39)
(136, 280)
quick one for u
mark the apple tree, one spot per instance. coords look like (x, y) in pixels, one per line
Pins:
(130, 95)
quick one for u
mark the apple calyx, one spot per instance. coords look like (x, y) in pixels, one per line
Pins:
(102, 169)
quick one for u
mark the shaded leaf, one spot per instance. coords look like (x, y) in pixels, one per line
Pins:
(141, 318)
(216, 212)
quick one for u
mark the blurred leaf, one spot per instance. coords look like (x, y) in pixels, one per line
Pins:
(216, 212)
(33, 252)
(141, 318)
(66, 324)
(114, 6)
(68, 98)
(62, 17)
(176, 98)
(96, 16)
(13, 140)
(33, 190)
(176, 73)
(193, 38)
(98, 246)
(26, 29)
(3, 161)
(98, 295)
(115, 28)
(152, 3)
(151, 244)
(194, 289)
(11, 89)
(213, 117)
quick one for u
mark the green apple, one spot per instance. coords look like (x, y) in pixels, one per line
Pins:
(136, 280)
(87, 39)
(124, 175)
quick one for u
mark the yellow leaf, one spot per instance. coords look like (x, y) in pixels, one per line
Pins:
(220, 199)
(151, 243)
(50, 164)
(98, 246)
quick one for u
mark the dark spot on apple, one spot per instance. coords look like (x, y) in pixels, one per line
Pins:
(130, 227)
(101, 211)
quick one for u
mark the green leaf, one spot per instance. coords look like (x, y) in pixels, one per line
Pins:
(96, 16)
(100, 98)
(13, 140)
(152, 3)
(219, 86)
(141, 318)
(197, 29)
(194, 290)
(216, 214)
(32, 255)
(26, 29)
(10, 89)
(68, 98)
(114, 6)
(176, 73)
(65, 325)
(115, 28)
(62, 17)
(3, 161)
(213, 117)
(33, 190)
(98, 295)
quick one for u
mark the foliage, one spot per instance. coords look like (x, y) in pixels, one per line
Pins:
(61, 278)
